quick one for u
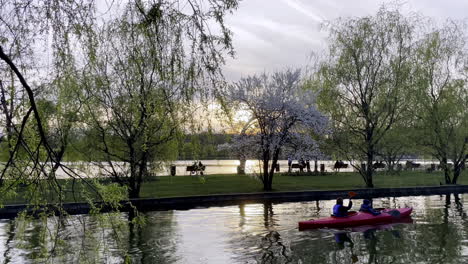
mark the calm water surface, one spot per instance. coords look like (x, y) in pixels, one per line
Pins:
(251, 233)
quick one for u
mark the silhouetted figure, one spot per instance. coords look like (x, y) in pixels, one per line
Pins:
(367, 207)
(301, 164)
(339, 210)
(200, 167)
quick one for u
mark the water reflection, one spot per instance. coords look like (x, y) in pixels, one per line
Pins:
(246, 233)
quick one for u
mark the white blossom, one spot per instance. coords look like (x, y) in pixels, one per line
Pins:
(282, 110)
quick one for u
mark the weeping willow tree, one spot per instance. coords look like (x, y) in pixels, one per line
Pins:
(127, 77)
(146, 67)
(441, 97)
(38, 68)
(363, 82)
(63, 71)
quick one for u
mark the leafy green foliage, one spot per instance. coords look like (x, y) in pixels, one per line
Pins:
(441, 97)
(362, 83)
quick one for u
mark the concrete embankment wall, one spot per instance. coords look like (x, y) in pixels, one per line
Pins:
(184, 203)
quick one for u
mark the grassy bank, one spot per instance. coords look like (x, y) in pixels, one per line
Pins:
(168, 186)
(221, 184)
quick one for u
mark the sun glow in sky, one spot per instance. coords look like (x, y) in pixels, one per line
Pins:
(242, 116)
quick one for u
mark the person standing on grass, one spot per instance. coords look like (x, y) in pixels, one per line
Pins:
(301, 164)
(339, 210)
(201, 167)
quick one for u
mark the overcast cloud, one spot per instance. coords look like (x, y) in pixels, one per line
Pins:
(273, 34)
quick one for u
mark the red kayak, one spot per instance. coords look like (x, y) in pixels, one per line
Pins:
(357, 219)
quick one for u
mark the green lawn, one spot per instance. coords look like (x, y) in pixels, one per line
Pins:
(167, 186)
(220, 184)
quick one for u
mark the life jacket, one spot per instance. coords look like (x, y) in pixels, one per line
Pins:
(337, 211)
(365, 208)
(369, 209)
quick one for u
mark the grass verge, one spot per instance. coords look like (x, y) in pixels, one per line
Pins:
(224, 184)
(178, 186)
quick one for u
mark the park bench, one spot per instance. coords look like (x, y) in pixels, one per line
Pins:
(297, 166)
(379, 165)
(409, 165)
(195, 169)
(339, 165)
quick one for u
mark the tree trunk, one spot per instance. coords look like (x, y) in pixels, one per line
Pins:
(266, 174)
(272, 169)
(369, 138)
(315, 165)
(446, 169)
(142, 172)
(370, 169)
(242, 166)
(390, 160)
(132, 188)
(268, 183)
(456, 172)
(133, 191)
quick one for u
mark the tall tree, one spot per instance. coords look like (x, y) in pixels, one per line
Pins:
(363, 81)
(46, 45)
(441, 96)
(36, 58)
(281, 109)
(146, 67)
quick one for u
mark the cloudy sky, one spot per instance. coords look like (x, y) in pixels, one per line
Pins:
(273, 34)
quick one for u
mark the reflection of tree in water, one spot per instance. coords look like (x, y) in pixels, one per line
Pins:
(268, 215)
(369, 246)
(438, 238)
(459, 206)
(8, 246)
(155, 241)
(39, 240)
(90, 239)
(258, 238)
(273, 248)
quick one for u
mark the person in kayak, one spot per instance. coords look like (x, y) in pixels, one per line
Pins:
(367, 207)
(339, 210)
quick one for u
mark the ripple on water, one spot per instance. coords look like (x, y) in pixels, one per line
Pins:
(259, 233)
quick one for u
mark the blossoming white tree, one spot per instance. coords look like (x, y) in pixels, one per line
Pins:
(281, 110)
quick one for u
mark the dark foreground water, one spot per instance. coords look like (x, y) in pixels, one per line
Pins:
(252, 233)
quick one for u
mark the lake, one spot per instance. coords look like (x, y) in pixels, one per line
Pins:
(87, 169)
(249, 233)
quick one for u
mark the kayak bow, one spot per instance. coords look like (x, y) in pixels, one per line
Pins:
(357, 219)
